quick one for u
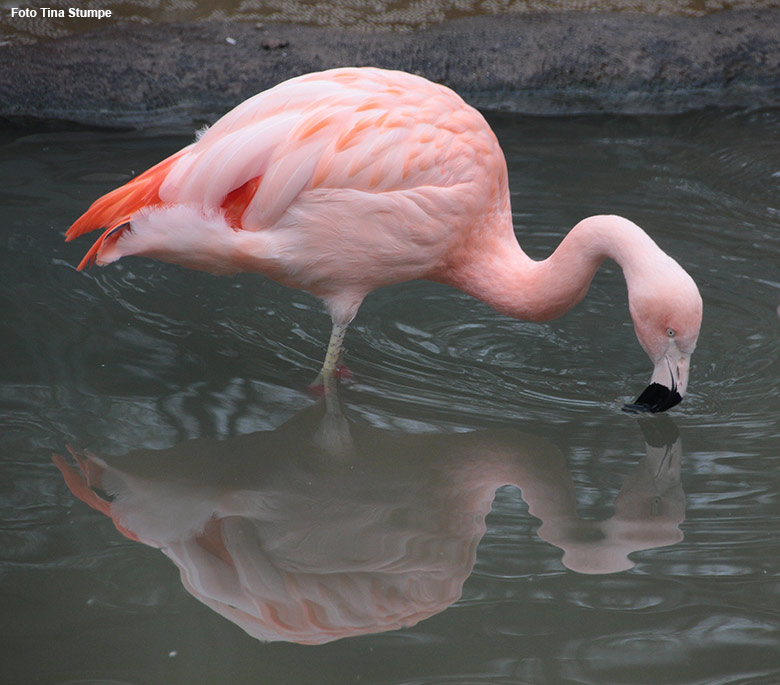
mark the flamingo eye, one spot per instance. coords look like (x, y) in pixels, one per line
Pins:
(670, 332)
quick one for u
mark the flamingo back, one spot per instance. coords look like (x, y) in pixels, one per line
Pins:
(358, 129)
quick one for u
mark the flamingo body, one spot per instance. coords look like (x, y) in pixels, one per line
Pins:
(343, 181)
(337, 183)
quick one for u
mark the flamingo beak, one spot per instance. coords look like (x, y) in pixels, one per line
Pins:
(667, 385)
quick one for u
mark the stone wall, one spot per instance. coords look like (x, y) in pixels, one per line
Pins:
(151, 74)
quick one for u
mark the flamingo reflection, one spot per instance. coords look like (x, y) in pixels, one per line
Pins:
(323, 529)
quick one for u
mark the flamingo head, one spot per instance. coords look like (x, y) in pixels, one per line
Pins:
(666, 308)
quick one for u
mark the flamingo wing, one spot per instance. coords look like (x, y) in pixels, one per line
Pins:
(365, 130)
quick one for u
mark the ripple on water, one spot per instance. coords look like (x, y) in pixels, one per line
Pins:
(452, 348)
(727, 646)
(625, 593)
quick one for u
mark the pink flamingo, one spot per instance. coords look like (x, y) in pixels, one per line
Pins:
(347, 180)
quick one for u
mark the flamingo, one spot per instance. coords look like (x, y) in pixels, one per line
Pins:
(343, 181)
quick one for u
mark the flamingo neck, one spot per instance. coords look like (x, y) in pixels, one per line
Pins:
(500, 274)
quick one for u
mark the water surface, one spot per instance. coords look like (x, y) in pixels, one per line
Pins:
(480, 510)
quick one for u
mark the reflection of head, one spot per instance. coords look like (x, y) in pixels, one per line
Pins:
(298, 542)
(648, 510)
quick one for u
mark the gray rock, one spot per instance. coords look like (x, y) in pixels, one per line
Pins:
(139, 74)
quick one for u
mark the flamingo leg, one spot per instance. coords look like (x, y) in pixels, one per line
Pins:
(327, 375)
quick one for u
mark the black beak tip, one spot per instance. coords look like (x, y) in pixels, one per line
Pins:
(655, 398)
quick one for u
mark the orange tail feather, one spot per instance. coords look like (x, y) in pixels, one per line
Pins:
(237, 200)
(117, 207)
(110, 235)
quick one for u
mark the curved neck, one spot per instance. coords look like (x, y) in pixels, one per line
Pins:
(500, 274)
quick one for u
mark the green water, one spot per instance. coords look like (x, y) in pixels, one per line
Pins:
(480, 485)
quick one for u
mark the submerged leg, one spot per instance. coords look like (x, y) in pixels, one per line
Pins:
(333, 434)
